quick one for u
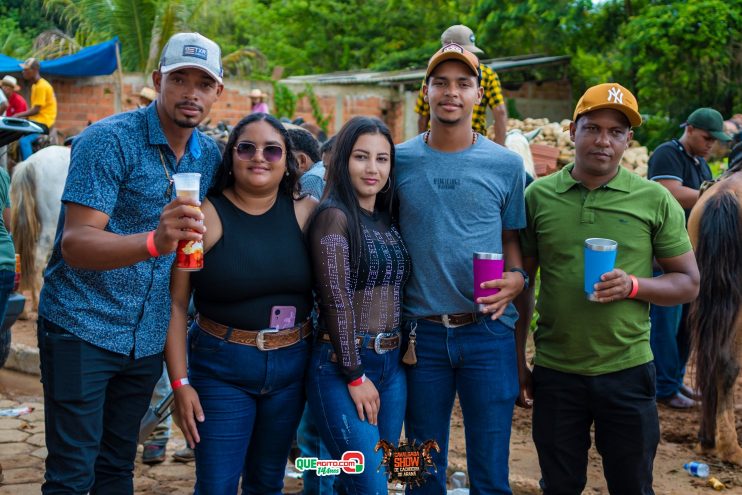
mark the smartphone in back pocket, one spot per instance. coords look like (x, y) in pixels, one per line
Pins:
(283, 317)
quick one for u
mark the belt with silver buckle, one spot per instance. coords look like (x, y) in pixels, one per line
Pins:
(265, 340)
(454, 320)
(381, 343)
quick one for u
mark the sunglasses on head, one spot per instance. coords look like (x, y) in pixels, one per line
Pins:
(247, 150)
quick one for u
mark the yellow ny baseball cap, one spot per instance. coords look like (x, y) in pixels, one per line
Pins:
(609, 95)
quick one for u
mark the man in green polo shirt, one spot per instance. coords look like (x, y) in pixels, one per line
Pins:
(593, 363)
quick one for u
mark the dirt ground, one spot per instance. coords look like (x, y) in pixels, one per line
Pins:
(678, 430)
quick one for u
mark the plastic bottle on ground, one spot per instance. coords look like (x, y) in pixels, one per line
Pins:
(696, 468)
(458, 480)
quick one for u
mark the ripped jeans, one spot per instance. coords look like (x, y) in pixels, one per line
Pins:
(337, 420)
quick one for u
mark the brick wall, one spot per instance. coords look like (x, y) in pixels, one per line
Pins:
(82, 100)
(91, 99)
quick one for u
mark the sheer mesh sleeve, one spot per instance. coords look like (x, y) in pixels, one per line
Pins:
(331, 261)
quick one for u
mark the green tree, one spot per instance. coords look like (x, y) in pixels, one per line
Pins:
(14, 42)
(517, 27)
(143, 26)
(310, 36)
(20, 22)
(685, 55)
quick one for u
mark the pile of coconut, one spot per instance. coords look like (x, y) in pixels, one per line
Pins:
(635, 158)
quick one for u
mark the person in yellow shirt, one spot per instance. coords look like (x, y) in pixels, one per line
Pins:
(43, 110)
(463, 36)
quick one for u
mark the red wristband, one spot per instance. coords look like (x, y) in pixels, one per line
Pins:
(634, 287)
(151, 248)
(358, 381)
(176, 384)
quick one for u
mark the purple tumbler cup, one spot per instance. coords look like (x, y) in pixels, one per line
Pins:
(487, 266)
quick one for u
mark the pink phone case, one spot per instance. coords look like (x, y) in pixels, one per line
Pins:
(283, 317)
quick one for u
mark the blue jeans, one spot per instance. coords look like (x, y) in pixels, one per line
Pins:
(26, 145)
(252, 402)
(7, 280)
(478, 362)
(311, 445)
(663, 341)
(94, 400)
(337, 418)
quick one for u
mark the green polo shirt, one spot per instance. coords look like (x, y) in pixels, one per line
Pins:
(575, 335)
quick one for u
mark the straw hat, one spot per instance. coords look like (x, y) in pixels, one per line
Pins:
(256, 93)
(10, 81)
(148, 93)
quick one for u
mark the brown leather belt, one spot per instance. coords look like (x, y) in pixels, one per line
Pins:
(380, 342)
(265, 340)
(454, 320)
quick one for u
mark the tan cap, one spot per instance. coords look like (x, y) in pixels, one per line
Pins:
(31, 63)
(11, 82)
(609, 95)
(148, 93)
(452, 51)
(461, 35)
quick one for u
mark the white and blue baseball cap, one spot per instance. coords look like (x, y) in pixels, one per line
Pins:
(192, 50)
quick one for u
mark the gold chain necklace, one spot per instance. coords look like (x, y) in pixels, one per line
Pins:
(169, 190)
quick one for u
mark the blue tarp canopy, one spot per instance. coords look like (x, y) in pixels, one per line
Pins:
(96, 60)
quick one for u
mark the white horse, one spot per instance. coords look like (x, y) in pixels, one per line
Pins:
(36, 199)
(519, 142)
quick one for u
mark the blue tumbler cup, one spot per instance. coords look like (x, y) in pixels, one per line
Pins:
(600, 257)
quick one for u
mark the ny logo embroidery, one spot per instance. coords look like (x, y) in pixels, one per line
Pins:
(615, 95)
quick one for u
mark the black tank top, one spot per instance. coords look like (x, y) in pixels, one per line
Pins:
(260, 262)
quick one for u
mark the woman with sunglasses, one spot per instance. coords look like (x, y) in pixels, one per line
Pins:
(241, 400)
(356, 386)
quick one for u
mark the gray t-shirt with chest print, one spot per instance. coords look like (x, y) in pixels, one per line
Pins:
(452, 205)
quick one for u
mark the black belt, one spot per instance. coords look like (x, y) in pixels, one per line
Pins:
(381, 343)
(454, 320)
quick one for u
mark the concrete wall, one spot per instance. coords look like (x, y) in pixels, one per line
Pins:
(91, 99)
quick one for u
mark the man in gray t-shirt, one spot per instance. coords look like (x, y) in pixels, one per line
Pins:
(460, 193)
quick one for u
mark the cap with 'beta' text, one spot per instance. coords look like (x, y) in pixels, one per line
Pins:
(192, 50)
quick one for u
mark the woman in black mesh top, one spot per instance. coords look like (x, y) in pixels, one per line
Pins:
(356, 384)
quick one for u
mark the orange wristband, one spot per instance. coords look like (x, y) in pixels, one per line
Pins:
(358, 381)
(151, 248)
(634, 287)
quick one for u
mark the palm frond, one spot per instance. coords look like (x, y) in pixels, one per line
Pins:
(132, 21)
(143, 26)
(52, 44)
(243, 62)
